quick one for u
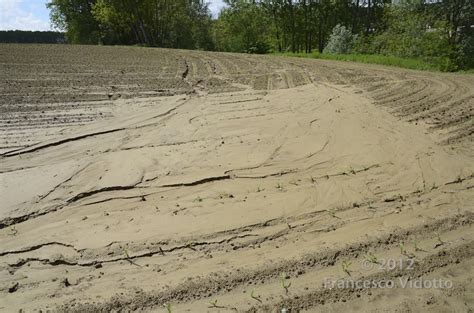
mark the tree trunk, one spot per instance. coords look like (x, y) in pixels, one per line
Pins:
(293, 26)
(367, 26)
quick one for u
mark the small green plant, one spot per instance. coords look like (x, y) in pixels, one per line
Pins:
(332, 212)
(417, 248)
(371, 258)
(294, 182)
(126, 253)
(128, 258)
(225, 195)
(255, 297)
(286, 286)
(346, 267)
(313, 180)
(190, 245)
(197, 199)
(279, 186)
(404, 251)
(168, 307)
(13, 231)
(260, 189)
(440, 241)
(438, 236)
(213, 304)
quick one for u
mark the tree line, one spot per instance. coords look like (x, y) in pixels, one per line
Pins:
(435, 30)
(162, 23)
(22, 36)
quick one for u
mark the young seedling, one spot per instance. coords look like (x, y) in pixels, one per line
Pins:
(313, 179)
(255, 297)
(13, 231)
(279, 186)
(225, 195)
(168, 307)
(404, 251)
(213, 305)
(260, 189)
(189, 245)
(371, 258)
(127, 256)
(284, 284)
(332, 212)
(197, 199)
(126, 253)
(440, 241)
(294, 182)
(345, 267)
(161, 251)
(417, 249)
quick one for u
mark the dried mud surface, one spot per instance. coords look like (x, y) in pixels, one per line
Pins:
(134, 177)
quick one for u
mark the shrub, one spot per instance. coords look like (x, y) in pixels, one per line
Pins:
(465, 53)
(341, 41)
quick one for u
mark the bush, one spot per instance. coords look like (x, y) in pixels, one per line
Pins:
(260, 47)
(465, 53)
(341, 41)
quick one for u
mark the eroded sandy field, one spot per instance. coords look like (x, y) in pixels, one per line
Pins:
(132, 178)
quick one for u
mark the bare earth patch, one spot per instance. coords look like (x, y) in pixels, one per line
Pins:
(132, 178)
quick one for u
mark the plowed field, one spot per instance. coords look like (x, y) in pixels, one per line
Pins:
(135, 178)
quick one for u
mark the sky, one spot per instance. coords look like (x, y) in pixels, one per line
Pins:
(33, 15)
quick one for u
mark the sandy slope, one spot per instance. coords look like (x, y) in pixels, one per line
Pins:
(214, 193)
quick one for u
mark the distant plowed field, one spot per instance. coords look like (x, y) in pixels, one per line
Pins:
(134, 178)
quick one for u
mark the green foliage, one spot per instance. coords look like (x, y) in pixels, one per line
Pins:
(20, 36)
(174, 24)
(168, 307)
(243, 27)
(341, 41)
(420, 30)
(410, 63)
(75, 18)
(411, 33)
(465, 50)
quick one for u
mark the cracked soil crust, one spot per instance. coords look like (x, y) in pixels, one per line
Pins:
(132, 178)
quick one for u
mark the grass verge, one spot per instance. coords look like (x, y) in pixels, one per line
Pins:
(414, 64)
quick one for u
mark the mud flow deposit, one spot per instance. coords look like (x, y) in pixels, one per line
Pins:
(139, 179)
